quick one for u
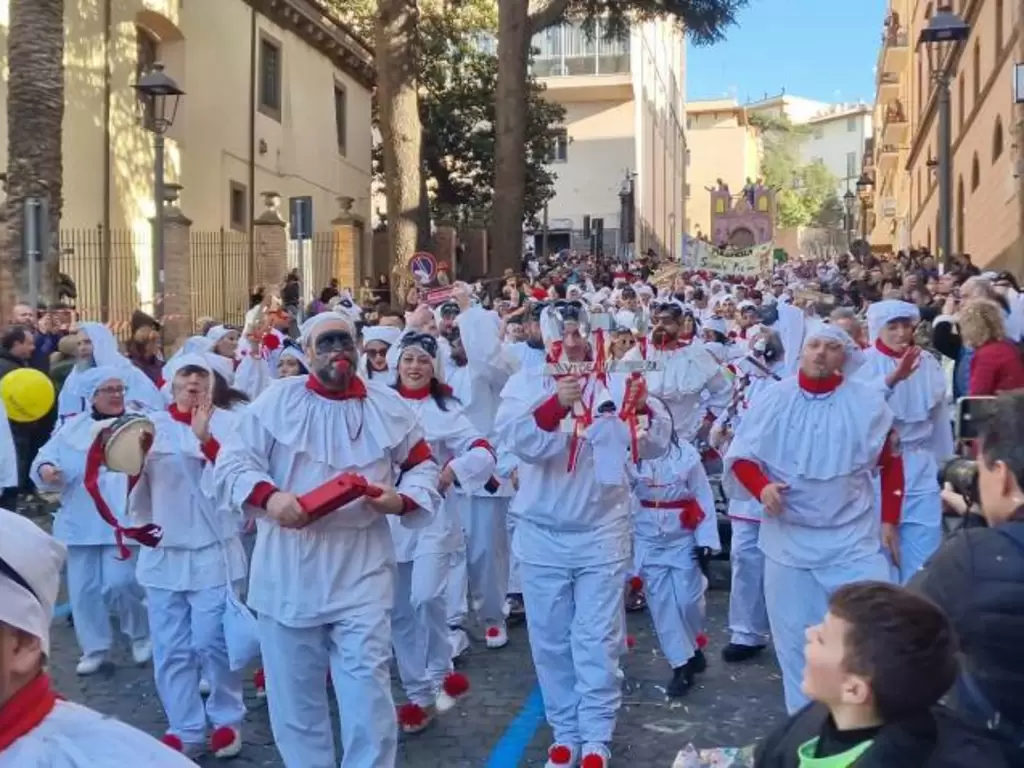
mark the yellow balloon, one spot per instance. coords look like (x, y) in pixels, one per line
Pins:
(28, 394)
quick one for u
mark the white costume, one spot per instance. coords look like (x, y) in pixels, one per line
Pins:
(61, 734)
(324, 593)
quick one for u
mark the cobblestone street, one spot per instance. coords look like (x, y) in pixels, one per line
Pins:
(501, 722)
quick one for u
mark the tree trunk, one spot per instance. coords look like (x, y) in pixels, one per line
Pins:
(424, 242)
(35, 116)
(510, 135)
(401, 133)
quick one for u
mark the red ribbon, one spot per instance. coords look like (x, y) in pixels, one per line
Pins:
(148, 535)
(23, 713)
(690, 516)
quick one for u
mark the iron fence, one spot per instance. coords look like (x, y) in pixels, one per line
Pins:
(315, 259)
(220, 276)
(103, 265)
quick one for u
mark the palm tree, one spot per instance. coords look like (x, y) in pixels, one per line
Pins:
(35, 116)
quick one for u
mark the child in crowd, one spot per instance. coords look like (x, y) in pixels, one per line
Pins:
(875, 670)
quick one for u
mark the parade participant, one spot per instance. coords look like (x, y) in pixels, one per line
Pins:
(808, 448)
(377, 340)
(530, 353)
(572, 534)
(323, 589)
(292, 362)
(98, 347)
(686, 370)
(675, 532)
(37, 727)
(748, 617)
(187, 576)
(100, 581)
(425, 555)
(914, 385)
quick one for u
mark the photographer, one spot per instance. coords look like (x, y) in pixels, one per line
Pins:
(977, 576)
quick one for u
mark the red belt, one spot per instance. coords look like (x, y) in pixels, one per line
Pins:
(690, 513)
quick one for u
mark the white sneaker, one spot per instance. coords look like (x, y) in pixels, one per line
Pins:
(226, 742)
(459, 641)
(142, 651)
(596, 750)
(496, 636)
(90, 663)
(204, 687)
(562, 756)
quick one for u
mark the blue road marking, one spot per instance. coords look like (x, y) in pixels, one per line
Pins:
(508, 752)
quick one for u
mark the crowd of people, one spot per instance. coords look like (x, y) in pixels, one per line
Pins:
(558, 443)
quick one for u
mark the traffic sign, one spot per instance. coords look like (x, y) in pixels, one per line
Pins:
(423, 266)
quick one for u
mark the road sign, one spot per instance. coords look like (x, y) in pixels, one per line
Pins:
(423, 266)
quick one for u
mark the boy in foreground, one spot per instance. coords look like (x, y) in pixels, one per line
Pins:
(875, 670)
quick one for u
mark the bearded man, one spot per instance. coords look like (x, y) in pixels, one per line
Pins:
(323, 588)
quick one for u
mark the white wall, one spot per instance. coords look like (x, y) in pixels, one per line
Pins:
(839, 143)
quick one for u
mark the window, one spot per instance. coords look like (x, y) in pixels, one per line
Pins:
(238, 206)
(961, 98)
(997, 140)
(147, 53)
(851, 125)
(559, 152)
(998, 10)
(977, 70)
(270, 77)
(341, 116)
(851, 165)
(975, 173)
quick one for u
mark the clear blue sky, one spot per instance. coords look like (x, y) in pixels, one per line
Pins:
(819, 49)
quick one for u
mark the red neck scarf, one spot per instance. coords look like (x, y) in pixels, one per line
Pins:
(819, 386)
(356, 389)
(180, 416)
(888, 351)
(26, 710)
(666, 346)
(423, 392)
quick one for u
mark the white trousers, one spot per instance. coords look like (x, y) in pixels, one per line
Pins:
(920, 533)
(357, 652)
(420, 627)
(98, 585)
(797, 598)
(188, 642)
(748, 617)
(675, 598)
(576, 631)
(487, 555)
(515, 581)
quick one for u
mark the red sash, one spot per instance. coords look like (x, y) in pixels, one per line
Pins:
(26, 710)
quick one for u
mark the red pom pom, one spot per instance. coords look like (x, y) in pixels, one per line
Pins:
(636, 583)
(173, 742)
(560, 755)
(271, 341)
(456, 684)
(411, 715)
(630, 642)
(222, 738)
(259, 679)
(702, 641)
(493, 632)
(593, 761)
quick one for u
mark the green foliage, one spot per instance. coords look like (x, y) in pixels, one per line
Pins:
(802, 189)
(831, 214)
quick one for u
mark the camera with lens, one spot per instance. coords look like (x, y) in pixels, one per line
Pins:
(962, 476)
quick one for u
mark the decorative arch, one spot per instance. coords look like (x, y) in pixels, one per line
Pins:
(159, 26)
(742, 237)
(997, 139)
(975, 172)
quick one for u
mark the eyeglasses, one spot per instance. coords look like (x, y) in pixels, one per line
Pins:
(115, 391)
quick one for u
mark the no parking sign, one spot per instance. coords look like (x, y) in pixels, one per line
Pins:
(423, 266)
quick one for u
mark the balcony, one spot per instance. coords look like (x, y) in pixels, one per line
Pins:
(570, 60)
(895, 127)
(888, 157)
(888, 86)
(895, 46)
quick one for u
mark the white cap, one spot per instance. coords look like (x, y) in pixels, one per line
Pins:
(30, 566)
(820, 330)
(383, 333)
(309, 328)
(882, 313)
(93, 378)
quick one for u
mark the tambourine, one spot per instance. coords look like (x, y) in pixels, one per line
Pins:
(126, 442)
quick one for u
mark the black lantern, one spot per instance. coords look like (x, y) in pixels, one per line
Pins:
(848, 200)
(865, 184)
(944, 31)
(161, 95)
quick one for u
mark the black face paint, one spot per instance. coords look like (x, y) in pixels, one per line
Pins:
(330, 342)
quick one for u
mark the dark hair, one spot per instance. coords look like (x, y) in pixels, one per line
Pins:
(1002, 434)
(225, 396)
(900, 641)
(16, 334)
(390, 313)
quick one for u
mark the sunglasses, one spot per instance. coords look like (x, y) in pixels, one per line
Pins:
(423, 341)
(376, 352)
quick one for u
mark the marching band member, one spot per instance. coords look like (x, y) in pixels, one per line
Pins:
(808, 448)
(187, 576)
(573, 534)
(323, 588)
(425, 556)
(37, 727)
(676, 531)
(915, 388)
(100, 581)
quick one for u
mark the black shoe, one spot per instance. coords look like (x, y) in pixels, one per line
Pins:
(681, 683)
(699, 662)
(735, 652)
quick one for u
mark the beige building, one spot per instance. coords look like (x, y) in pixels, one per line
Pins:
(624, 116)
(277, 100)
(986, 188)
(722, 145)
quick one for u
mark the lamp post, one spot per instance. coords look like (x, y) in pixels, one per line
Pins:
(848, 200)
(160, 95)
(627, 235)
(865, 186)
(945, 31)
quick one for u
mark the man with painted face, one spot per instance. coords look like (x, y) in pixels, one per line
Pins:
(323, 588)
(685, 371)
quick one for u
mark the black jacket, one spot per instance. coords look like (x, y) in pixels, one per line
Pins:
(936, 739)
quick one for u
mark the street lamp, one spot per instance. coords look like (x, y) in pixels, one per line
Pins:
(160, 95)
(865, 186)
(848, 200)
(945, 31)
